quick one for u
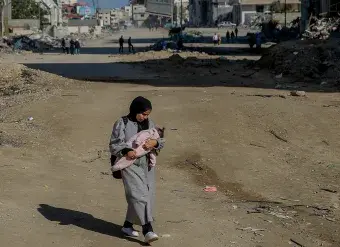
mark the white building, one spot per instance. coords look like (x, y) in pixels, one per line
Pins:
(104, 15)
(128, 10)
(112, 16)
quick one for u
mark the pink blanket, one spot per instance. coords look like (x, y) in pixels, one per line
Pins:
(136, 143)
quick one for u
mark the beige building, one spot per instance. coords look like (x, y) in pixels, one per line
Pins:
(139, 15)
(104, 15)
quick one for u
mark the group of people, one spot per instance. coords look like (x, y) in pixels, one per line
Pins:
(121, 42)
(153, 27)
(70, 46)
(230, 37)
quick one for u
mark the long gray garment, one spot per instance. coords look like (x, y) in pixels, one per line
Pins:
(139, 178)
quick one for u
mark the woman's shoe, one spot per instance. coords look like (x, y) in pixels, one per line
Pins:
(130, 232)
(151, 237)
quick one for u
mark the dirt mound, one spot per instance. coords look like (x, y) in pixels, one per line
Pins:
(176, 58)
(17, 79)
(19, 84)
(306, 59)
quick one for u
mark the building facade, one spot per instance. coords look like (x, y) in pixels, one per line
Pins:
(113, 17)
(139, 15)
(245, 10)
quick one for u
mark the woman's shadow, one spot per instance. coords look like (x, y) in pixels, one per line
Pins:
(83, 220)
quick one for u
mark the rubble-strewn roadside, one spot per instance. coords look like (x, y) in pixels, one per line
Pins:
(322, 28)
(19, 84)
(310, 60)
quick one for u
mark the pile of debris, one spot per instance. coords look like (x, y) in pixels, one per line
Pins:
(321, 28)
(34, 42)
(306, 60)
(19, 83)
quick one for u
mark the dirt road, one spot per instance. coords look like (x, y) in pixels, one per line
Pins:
(274, 160)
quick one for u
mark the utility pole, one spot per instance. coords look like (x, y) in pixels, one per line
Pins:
(181, 17)
(132, 14)
(285, 13)
(172, 11)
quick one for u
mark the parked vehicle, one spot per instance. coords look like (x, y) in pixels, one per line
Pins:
(226, 24)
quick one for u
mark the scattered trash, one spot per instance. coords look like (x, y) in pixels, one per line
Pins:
(298, 93)
(330, 219)
(295, 242)
(235, 207)
(321, 28)
(250, 229)
(257, 145)
(173, 129)
(30, 119)
(295, 53)
(268, 95)
(105, 173)
(279, 215)
(329, 190)
(166, 236)
(210, 189)
(278, 136)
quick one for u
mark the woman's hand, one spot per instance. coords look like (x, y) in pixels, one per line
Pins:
(131, 155)
(150, 144)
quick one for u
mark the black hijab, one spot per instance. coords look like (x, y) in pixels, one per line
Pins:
(140, 105)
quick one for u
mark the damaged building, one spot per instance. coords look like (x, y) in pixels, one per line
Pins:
(208, 12)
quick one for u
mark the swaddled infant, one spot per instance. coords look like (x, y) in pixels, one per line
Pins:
(137, 142)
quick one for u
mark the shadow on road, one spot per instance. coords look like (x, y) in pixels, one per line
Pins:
(209, 49)
(83, 220)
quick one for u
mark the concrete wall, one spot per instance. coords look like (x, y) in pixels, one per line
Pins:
(81, 29)
(24, 23)
(290, 17)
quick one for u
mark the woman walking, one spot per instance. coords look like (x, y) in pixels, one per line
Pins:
(139, 178)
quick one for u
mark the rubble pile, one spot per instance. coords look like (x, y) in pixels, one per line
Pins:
(321, 28)
(18, 81)
(4, 48)
(312, 60)
(34, 42)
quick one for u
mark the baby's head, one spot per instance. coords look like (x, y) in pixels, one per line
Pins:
(160, 131)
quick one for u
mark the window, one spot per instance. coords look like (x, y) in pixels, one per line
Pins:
(259, 8)
(142, 15)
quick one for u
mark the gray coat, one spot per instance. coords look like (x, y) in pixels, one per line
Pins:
(138, 179)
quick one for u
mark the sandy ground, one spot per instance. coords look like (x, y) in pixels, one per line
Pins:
(274, 160)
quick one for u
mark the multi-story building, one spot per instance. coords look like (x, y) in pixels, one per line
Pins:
(139, 15)
(113, 16)
(105, 16)
(128, 10)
